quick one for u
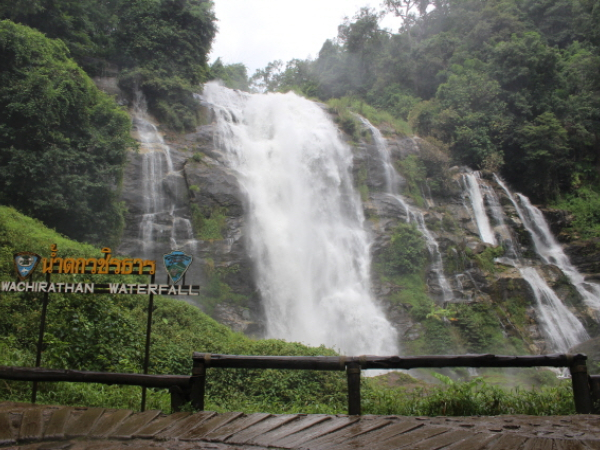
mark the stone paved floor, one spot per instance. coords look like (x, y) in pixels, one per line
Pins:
(32, 427)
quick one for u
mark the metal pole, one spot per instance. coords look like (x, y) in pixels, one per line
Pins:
(148, 333)
(38, 357)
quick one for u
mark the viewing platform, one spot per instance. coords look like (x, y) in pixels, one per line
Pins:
(25, 426)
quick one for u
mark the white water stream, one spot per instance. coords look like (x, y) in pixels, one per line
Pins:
(304, 221)
(393, 181)
(161, 227)
(483, 222)
(560, 326)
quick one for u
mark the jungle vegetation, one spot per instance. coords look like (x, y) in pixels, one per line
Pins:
(107, 333)
(507, 85)
(62, 141)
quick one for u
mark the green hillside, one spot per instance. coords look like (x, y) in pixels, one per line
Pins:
(106, 333)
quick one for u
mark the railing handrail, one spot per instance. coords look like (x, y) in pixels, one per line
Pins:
(385, 362)
(185, 388)
(80, 376)
(354, 364)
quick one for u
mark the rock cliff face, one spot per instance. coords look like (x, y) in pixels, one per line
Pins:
(469, 296)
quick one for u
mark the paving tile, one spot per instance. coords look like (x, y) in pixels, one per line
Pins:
(205, 423)
(55, 428)
(271, 423)
(134, 423)
(319, 430)
(240, 423)
(301, 423)
(109, 421)
(159, 424)
(31, 425)
(334, 439)
(81, 424)
(6, 436)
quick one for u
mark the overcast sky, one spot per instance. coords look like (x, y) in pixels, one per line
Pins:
(256, 32)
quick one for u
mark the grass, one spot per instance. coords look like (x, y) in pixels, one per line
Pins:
(107, 333)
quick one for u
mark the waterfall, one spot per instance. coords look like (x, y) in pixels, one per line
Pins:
(483, 223)
(552, 253)
(393, 181)
(304, 220)
(550, 250)
(559, 324)
(162, 225)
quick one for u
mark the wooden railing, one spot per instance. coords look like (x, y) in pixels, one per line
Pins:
(183, 389)
(178, 385)
(354, 364)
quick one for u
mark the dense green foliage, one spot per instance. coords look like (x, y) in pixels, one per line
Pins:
(506, 84)
(62, 141)
(159, 47)
(106, 333)
(406, 253)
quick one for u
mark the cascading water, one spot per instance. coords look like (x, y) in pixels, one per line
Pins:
(562, 329)
(560, 326)
(304, 221)
(483, 222)
(549, 250)
(393, 181)
(162, 224)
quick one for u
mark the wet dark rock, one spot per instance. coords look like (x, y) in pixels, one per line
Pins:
(585, 255)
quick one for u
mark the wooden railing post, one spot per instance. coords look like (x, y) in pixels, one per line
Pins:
(595, 392)
(353, 373)
(581, 386)
(179, 397)
(198, 384)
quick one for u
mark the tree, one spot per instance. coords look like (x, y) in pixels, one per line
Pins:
(545, 163)
(408, 11)
(62, 141)
(235, 76)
